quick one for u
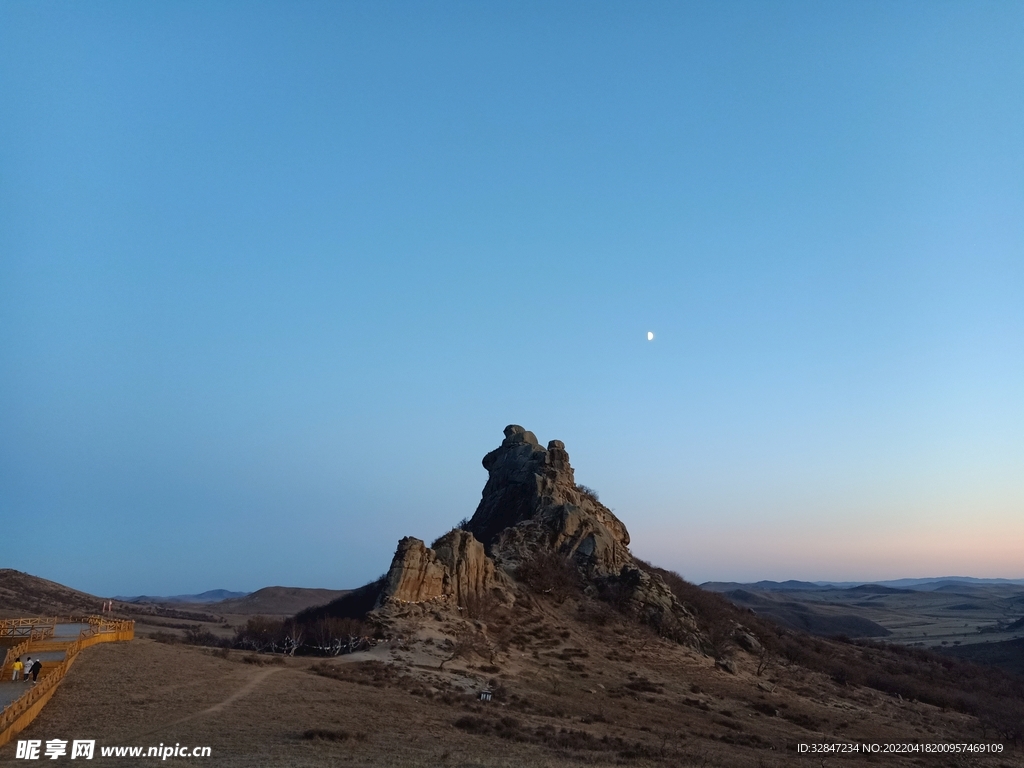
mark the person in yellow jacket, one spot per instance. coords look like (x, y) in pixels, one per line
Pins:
(18, 666)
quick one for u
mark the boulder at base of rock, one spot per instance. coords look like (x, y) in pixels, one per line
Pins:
(746, 640)
(726, 665)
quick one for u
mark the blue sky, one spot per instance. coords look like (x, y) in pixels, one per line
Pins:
(274, 277)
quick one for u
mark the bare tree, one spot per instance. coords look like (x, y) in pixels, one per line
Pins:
(465, 644)
(261, 634)
(292, 638)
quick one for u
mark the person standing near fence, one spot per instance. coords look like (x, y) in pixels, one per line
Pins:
(18, 666)
(27, 667)
(36, 666)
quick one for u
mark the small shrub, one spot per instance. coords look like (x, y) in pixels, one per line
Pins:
(325, 734)
(841, 674)
(804, 720)
(466, 645)
(262, 661)
(643, 685)
(552, 574)
(196, 635)
(484, 607)
(597, 613)
(764, 708)
(473, 724)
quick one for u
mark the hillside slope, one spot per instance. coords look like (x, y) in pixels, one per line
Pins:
(278, 601)
(22, 594)
(538, 596)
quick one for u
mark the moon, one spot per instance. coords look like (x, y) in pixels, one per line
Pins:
(650, 335)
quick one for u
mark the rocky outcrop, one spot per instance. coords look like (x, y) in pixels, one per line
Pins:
(531, 502)
(415, 575)
(531, 506)
(455, 569)
(650, 599)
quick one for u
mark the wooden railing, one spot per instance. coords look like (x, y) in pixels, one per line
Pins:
(35, 628)
(31, 622)
(12, 654)
(40, 633)
(21, 712)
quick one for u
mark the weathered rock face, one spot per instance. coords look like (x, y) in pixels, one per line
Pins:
(456, 568)
(415, 574)
(531, 502)
(652, 601)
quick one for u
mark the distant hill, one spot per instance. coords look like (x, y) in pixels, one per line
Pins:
(947, 583)
(22, 594)
(877, 589)
(929, 585)
(210, 596)
(805, 618)
(279, 601)
(269, 601)
(764, 586)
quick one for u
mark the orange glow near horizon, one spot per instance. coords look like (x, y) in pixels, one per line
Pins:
(847, 553)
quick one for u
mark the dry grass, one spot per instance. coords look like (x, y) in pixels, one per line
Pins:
(566, 692)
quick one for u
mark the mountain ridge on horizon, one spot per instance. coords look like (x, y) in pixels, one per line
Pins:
(216, 595)
(209, 596)
(920, 584)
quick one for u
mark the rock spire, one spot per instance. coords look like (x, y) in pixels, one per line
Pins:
(532, 506)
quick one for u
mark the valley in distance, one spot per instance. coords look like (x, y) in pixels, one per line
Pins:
(587, 654)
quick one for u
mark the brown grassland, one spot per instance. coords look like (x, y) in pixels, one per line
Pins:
(574, 682)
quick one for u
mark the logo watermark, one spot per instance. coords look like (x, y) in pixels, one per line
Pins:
(85, 749)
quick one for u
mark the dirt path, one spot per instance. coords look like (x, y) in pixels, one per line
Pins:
(258, 677)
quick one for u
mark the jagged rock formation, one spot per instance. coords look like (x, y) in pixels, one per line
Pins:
(456, 568)
(531, 502)
(531, 506)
